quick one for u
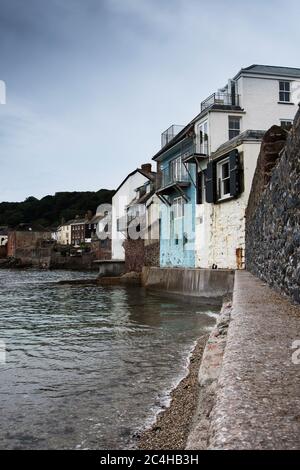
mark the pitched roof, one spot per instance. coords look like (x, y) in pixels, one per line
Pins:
(150, 175)
(290, 72)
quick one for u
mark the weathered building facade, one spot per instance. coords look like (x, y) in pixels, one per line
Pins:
(31, 247)
(142, 232)
(177, 194)
(125, 194)
(214, 159)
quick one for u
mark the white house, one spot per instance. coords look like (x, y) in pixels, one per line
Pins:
(124, 195)
(257, 97)
(63, 234)
(235, 120)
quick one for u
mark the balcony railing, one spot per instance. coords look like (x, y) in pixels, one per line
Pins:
(221, 99)
(200, 147)
(169, 134)
(173, 175)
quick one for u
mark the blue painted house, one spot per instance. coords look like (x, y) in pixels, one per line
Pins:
(177, 191)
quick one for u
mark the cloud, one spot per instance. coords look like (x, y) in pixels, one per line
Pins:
(92, 84)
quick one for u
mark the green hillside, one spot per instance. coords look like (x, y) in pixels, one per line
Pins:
(51, 210)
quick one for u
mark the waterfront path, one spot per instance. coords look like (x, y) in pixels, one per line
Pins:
(258, 395)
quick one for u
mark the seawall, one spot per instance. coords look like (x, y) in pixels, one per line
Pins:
(208, 285)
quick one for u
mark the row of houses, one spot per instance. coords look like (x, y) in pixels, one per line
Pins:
(78, 231)
(190, 210)
(187, 208)
(82, 233)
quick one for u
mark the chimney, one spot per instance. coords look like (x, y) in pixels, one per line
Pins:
(147, 167)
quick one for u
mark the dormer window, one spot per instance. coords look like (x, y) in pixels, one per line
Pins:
(284, 92)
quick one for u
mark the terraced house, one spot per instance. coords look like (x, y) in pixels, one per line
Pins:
(207, 167)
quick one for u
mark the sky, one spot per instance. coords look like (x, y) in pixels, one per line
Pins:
(92, 84)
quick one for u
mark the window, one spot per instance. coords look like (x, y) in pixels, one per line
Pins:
(223, 178)
(234, 126)
(178, 170)
(203, 137)
(286, 124)
(285, 92)
(178, 207)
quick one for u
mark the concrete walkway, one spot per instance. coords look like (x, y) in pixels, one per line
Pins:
(258, 395)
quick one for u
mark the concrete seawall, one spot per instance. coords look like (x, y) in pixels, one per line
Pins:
(208, 284)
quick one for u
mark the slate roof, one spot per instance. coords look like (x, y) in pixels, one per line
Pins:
(245, 136)
(290, 72)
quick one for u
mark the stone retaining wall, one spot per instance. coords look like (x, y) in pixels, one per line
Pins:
(273, 213)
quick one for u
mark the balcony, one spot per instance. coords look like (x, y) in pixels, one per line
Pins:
(175, 177)
(169, 134)
(197, 152)
(220, 99)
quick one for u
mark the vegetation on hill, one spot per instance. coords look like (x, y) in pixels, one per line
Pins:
(51, 210)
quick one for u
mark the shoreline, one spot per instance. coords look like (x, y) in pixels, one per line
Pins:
(173, 424)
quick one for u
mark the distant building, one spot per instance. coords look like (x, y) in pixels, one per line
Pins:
(124, 195)
(63, 234)
(31, 245)
(142, 234)
(78, 231)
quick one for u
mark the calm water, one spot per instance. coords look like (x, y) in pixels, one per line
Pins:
(86, 367)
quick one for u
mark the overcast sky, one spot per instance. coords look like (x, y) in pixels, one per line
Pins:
(91, 84)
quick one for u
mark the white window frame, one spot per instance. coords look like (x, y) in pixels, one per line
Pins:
(230, 129)
(179, 170)
(290, 121)
(203, 130)
(284, 91)
(178, 207)
(221, 180)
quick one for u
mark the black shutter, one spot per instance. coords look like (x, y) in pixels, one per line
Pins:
(235, 173)
(199, 188)
(210, 182)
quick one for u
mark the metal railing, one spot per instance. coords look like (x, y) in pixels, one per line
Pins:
(169, 134)
(174, 174)
(221, 99)
(200, 146)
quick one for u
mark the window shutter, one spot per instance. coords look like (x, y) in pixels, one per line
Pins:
(199, 188)
(235, 170)
(210, 182)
